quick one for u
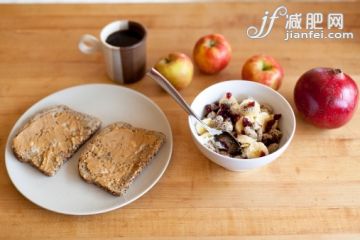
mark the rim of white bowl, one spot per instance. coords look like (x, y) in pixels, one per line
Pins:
(285, 145)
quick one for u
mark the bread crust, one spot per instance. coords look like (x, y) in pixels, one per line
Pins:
(137, 162)
(92, 123)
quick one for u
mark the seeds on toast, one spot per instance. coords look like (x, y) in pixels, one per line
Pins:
(117, 154)
(52, 136)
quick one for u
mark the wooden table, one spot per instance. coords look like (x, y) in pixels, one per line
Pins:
(311, 192)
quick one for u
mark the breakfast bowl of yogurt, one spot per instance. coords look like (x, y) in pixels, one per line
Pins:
(260, 119)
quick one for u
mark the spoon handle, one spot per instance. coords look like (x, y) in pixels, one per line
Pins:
(161, 80)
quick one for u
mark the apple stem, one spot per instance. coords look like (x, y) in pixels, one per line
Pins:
(338, 71)
(212, 43)
(265, 66)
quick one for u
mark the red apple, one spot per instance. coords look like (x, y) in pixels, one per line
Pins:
(177, 68)
(263, 69)
(326, 97)
(212, 53)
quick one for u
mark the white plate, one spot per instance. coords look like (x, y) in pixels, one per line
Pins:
(66, 192)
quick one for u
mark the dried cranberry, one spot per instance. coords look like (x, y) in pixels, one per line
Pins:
(224, 111)
(246, 122)
(224, 106)
(277, 116)
(251, 104)
(228, 95)
(208, 109)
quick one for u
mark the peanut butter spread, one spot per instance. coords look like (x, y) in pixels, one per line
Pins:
(117, 154)
(51, 137)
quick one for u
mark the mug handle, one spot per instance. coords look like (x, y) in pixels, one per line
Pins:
(89, 44)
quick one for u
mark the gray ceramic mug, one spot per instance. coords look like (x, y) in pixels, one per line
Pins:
(124, 64)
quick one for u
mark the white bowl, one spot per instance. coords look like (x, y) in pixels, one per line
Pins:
(241, 90)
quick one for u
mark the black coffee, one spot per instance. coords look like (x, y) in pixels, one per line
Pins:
(124, 38)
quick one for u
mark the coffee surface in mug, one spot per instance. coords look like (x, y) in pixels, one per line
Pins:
(124, 38)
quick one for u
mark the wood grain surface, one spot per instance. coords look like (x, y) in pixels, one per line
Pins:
(311, 192)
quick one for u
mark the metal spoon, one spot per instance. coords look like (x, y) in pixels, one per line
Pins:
(225, 137)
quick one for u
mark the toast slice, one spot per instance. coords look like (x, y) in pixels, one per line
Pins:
(117, 154)
(52, 136)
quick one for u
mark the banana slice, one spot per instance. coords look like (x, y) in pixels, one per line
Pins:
(255, 150)
(239, 127)
(244, 139)
(206, 135)
(249, 107)
(235, 109)
(200, 129)
(262, 119)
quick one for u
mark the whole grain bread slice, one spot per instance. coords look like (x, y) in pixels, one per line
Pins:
(52, 136)
(117, 154)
